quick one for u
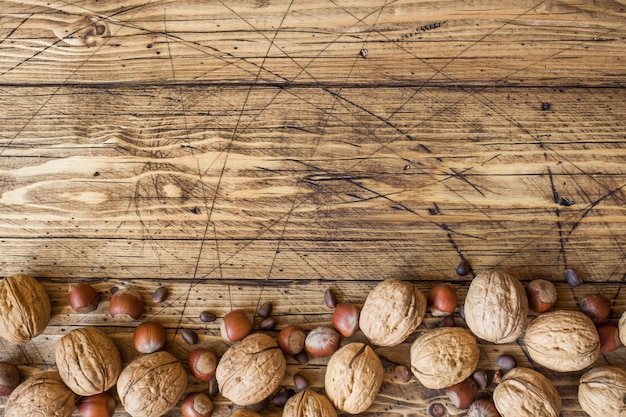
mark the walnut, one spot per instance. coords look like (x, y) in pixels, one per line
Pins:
(496, 307)
(391, 312)
(602, 391)
(563, 340)
(524, 392)
(24, 308)
(88, 361)
(152, 384)
(353, 378)
(242, 412)
(43, 394)
(622, 328)
(444, 356)
(250, 370)
(309, 403)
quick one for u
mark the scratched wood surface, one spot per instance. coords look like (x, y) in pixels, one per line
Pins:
(250, 151)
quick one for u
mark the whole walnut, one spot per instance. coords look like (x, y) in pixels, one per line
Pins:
(152, 384)
(562, 340)
(251, 369)
(88, 361)
(242, 412)
(622, 328)
(496, 307)
(524, 392)
(391, 312)
(602, 391)
(353, 377)
(309, 403)
(43, 394)
(24, 308)
(444, 356)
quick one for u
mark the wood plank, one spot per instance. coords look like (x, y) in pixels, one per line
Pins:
(407, 42)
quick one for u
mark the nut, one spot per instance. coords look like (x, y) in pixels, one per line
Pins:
(403, 373)
(496, 307)
(622, 328)
(300, 382)
(160, 295)
(291, 339)
(463, 268)
(322, 341)
(309, 403)
(9, 378)
(197, 404)
(330, 299)
(282, 396)
(152, 384)
(506, 362)
(207, 317)
(463, 394)
(442, 300)
(242, 412)
(268, 324)
(524, 392)
(602, 390)
(597, 307)
(88, 361)
(572, 278)
(126, 304)
(24, 308)
(562, 340)
(353, 378)
(149, 337)
(265, 310)
(444, 356)
(202, 363)
(391, 312)
(541, 295)
(346, 319)
(43, 394)
(251, 370)
(482, 408)
(481, 378)
(236, 325)
(189, 336)
(83, 298)
(99, 405)
(609, 338)
(213, 389)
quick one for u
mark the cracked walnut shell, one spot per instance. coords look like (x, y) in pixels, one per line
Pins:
(525, 392)
(391, 312)
(309, 403)
(353, 377)
(602, 391)
(88, 361)
(43, 394)
(152, 384)
(251, 369)
(24, 308)
(443, 357)
(563, 340)
(496, 307)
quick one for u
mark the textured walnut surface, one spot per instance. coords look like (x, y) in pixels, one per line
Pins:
(24, 308)
(391, 312)
(443, 357)
(309, 403)
(250, 370)
(152, 384)
(242, 412)
(602, 391)
(622, 328)
(496, 307)
(42, 395)
(562, 340)
(525, 392)
(353, 377)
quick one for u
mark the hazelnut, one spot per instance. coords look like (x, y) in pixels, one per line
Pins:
(126, 304)
(482, 408)
(9, 378)
(597, 307)
(442, 300)
(197, 404)
(83, 298)
(541, 295)
(463, 394)
(302, 358)
(330, 299)
(202, 363)
(236, 325)
(265, 310)
(346, 319)
(322, 341)
(99, 405)
(609, 338)
(291, 339)
(149, 337)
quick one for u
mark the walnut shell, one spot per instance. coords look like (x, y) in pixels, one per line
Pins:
(525, 392)
(24, 308)
(444, 356)
(353, 377)
(496, 307)
(243, 412)
(251, 369)
(309, 403)
(602, 391)
(622, 328)
(391, 312)
(43, 394)
(152, 384)
(563, 340)
(88, 361)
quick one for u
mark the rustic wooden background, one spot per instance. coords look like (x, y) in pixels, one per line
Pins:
(239, 152)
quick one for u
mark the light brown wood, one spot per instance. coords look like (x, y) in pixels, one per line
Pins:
(250, 151)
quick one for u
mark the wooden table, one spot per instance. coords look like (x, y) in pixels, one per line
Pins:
(239, 152)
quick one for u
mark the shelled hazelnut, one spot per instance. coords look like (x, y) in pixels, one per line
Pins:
(236, 325)
(596, 306)
(99, 405)
(442, 300)
(463, 394)
(126, 304)
(322, 341)
(202, 363)
(346, 318)
(149, 337)
(291, 339)
(83, 298)
(541, 295)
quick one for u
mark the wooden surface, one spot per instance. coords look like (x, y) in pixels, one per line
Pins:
(247, 151)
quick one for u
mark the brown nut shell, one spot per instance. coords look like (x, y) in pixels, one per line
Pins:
(42, 394)
(525, 392)
(152, 384)
(602, 390)
(353, 378)
(622, 328)
(391, 312)
(24, 308)
(242, 412)
(563, 340)
(309, 403)
(251, 370)
(496, 307)
(88, 361)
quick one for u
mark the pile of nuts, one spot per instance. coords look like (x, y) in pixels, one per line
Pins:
(253, 367)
